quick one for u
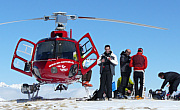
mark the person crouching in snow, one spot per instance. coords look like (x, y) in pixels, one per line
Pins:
(173, 78)
(128, 89)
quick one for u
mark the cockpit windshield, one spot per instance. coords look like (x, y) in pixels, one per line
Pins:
(55, 49)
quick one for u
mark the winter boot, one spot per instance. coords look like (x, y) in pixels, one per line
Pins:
(137, 97)
(86, 83)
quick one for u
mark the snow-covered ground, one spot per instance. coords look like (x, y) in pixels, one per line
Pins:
(116, 104)
(12, 92)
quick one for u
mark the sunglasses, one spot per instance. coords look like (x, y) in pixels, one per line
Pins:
(129, 52)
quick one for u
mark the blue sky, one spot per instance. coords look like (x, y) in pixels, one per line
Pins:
(160, 46)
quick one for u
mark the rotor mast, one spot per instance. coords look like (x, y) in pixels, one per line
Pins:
(61, 20)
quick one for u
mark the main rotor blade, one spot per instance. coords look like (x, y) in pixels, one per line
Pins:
(119, 21)
(21, 20)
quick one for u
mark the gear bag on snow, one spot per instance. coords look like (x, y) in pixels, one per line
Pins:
(158, 94)
(94, 96)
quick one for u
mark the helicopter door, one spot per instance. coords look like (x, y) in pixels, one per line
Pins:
(22, 57)
(88, 53)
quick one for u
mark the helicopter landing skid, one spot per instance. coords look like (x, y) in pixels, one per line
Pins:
(87, 92)
(31, 89)
(86, 89)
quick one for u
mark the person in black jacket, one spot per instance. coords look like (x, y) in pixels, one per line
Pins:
(173, 78)
(107, 62)
(125, 71)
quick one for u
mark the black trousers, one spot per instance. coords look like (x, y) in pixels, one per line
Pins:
(105, 82)
(87, 76)
(138, 75)
(173, 86)
(124, 82)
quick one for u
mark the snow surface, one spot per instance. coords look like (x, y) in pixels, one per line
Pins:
(13, 92)
(98, 105)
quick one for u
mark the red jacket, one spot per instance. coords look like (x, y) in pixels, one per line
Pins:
(138, 61)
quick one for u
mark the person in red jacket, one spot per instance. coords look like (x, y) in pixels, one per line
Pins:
(139, 62)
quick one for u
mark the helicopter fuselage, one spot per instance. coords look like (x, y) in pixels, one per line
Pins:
(54, 61)
(58, 59)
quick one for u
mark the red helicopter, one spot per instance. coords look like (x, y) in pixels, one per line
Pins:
(58, 59)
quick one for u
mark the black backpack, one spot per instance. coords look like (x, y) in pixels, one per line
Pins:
(177, 97)
(94, 96)
(158, 94)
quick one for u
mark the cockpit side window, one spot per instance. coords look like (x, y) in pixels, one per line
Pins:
(45, 50)
(65, 49)
(55, 49)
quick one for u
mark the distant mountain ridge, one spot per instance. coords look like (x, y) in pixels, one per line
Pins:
(15, 86)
